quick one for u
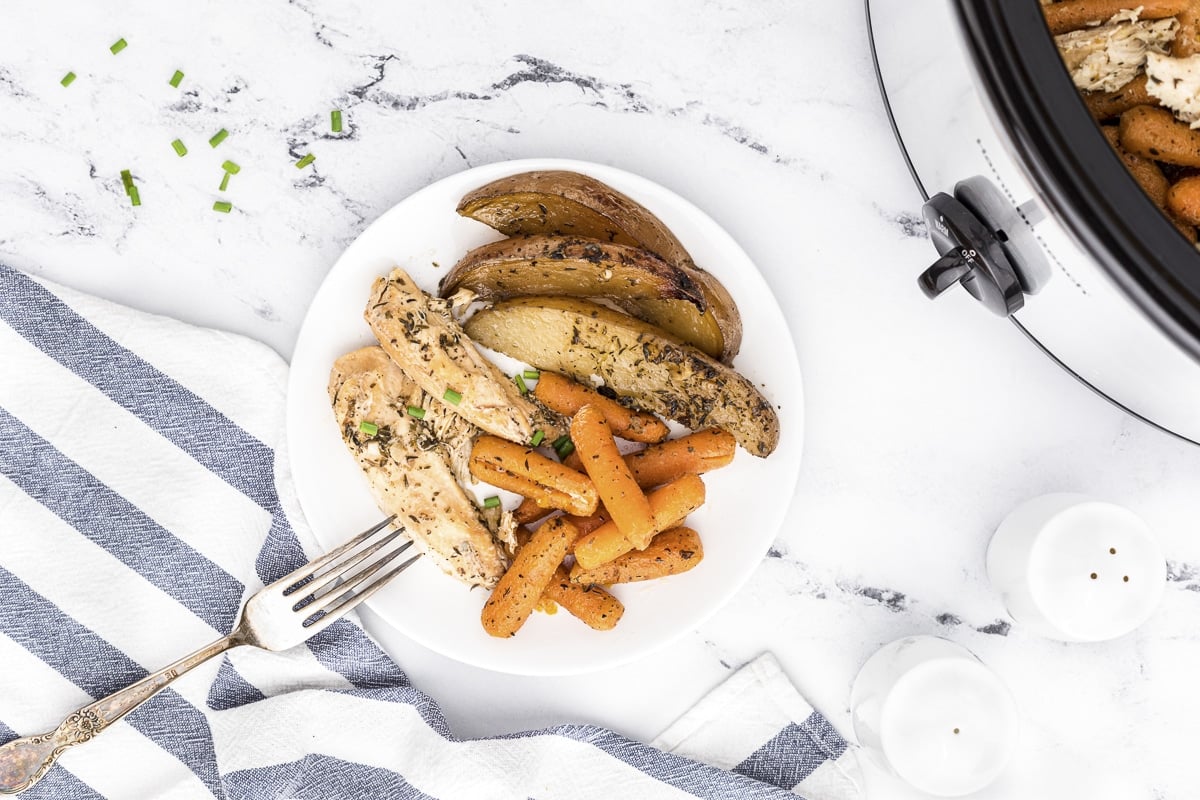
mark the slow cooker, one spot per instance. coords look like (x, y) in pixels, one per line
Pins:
(1031, 211)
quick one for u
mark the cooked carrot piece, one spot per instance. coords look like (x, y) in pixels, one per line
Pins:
(590, 523)
(525, 471)
(521, 587)
(697, 452)
(1184, 200)
(530, 511)
(669, 553)
(592, 605)
(1108, 105)
(628, 507)
(669, 506)
(566, 397)
(1155, 133)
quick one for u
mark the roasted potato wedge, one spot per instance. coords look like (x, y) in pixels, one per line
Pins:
(636, 360)
(570, 204)
(575, 267)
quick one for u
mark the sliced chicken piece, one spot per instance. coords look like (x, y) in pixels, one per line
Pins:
(1175, 82)
(408, 464)
(1106, 58)
(419, 333)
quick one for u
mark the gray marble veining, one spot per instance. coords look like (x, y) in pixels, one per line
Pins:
(925, 424)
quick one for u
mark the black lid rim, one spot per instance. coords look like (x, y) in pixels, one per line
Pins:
(1071, 163)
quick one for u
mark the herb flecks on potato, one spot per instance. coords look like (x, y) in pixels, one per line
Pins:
(656, 372)
(557, 202)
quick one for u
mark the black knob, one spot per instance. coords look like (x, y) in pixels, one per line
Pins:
(971, 255)
(945, 272)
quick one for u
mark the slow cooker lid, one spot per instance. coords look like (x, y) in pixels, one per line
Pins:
(1067, 157)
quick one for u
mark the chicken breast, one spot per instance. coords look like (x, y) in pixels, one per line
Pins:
(1106, 58)
(419, 333)
(1176, 84)
(408, 464)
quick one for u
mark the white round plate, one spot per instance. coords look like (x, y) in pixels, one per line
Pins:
(746, 500)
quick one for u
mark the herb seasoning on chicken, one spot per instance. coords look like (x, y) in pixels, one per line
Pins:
(422, 337)
(409, 464)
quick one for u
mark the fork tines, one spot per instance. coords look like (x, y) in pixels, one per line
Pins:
(336, 574)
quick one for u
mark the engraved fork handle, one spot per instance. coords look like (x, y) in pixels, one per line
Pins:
(24, 761)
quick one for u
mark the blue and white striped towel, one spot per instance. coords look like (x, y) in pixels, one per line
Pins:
(143, 496)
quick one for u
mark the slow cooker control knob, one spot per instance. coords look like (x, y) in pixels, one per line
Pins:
(971, 255)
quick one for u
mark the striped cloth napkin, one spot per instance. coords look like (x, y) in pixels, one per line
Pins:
(144, 494)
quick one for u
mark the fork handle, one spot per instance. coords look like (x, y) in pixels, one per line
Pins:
(25, 761)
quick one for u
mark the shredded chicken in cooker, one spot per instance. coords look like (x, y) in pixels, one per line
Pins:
(1106, 58)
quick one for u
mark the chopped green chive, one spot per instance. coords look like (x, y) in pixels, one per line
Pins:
(118, 46)
(231, 168)
(369, 428)
(560, 441)
(491, 502)
(177, 79)
(68, 79)
(223, 206)
(538, 435)
(452, 397)
(127, 180)
(180, 149)
(134, 198)
(531, 374)
(565, 450)
(521, 383)
(304, 162)
(416, 412)
(224, 182)
(335, 120)
(218, 137)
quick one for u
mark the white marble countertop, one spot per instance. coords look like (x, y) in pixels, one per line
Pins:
(926, 423)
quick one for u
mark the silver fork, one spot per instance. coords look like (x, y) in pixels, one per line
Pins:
(291, 610)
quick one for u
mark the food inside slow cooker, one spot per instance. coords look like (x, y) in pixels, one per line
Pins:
(1137, 65)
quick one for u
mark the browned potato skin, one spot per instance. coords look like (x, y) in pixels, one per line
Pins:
(657, 373)
(521, 587)
(574, 267)
(1155, 133)
(1071, 15)
(1183, 199)
(669, 553)
(1144, 171)
(1110, 105)
(568, 203)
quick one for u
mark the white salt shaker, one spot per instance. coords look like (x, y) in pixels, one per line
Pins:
(1076, 569)
(935, 715)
